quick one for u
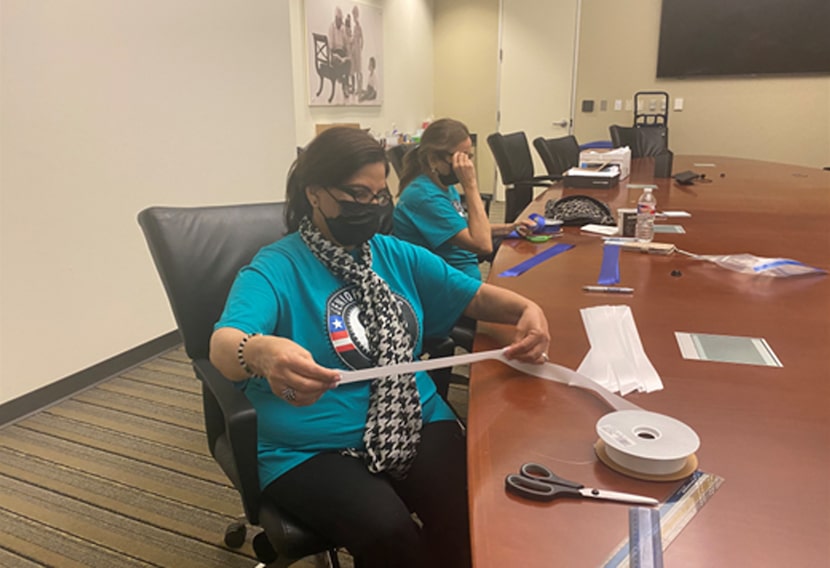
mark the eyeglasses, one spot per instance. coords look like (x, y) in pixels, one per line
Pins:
(364, 195)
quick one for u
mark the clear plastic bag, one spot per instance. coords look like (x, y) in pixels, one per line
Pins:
(751, 264)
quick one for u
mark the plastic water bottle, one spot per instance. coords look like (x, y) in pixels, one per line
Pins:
(646, 210)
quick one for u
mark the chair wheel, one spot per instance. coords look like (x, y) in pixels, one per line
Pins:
(263, 550)
(235, 535)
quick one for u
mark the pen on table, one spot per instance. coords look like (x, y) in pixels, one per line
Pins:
(612, 289)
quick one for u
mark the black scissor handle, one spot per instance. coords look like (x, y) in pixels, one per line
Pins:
(538, 472)
(529, 488)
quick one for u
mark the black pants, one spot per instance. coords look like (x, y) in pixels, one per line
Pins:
(370, 515)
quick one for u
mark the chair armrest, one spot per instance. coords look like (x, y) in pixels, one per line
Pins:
(232, 434)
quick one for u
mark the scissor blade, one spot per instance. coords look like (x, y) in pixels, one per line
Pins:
(617, 496)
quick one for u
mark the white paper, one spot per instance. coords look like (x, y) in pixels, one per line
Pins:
(616, 360)
(608, 172)
(600, 229)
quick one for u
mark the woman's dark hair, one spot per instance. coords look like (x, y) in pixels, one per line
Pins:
(335, 155)
(440, 138)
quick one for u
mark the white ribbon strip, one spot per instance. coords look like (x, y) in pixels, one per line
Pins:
(547, 371)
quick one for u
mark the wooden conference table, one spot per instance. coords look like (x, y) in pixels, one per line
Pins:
(764, 430)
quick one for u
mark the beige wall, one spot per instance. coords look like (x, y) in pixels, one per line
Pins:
(779, 119)
(465, 67)
(108, 107)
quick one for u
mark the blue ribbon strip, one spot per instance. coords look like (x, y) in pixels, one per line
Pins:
(609, 272)
(523, 267)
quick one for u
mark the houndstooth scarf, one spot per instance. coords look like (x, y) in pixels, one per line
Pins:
(393, 423)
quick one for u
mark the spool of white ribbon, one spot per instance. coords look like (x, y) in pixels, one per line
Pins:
(647, 442)
(638, 440)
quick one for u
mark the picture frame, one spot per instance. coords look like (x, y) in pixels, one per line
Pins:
(345, 59)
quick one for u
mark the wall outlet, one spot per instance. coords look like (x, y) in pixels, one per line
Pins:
(617, 104)
(678, 103)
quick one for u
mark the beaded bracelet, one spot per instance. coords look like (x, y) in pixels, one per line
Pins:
(240, 353)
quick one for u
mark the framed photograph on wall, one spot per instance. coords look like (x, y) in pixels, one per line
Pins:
(345, 60)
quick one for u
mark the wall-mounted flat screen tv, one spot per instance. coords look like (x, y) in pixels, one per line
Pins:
(700, 38)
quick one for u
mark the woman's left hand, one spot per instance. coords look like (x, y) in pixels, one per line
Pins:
(525, 227)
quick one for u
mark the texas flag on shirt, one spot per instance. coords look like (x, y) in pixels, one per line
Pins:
(339, 335)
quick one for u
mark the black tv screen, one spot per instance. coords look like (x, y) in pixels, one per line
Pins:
(744, 37)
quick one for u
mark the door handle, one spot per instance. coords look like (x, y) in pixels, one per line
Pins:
(561, 123)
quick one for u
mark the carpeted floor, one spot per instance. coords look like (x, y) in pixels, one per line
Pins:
(119, 476)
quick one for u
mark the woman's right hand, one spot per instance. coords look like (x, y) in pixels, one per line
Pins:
(464, 169)
(288, 367)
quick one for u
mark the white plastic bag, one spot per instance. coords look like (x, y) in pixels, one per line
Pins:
(751, 264)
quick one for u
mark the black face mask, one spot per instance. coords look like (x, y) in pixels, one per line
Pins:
(357, 222)
(448, 179)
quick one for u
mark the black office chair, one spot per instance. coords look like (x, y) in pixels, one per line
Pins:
(197, 252)
(558, 154)
(515, 164)
(644, 141)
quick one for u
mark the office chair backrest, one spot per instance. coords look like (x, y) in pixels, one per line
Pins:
(652, 140)
(644, 140)
(558, 154)
(198, 251)
(623, 136)
(512, 155)
(395, 155)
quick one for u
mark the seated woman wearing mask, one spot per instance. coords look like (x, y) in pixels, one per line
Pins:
(429, 211)
(352, 462)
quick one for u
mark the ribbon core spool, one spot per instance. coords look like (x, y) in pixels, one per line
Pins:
(647, 444)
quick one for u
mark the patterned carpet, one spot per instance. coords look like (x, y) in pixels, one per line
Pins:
(119, 476)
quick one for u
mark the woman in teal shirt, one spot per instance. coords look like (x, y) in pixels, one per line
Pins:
(353, 462)
(429, 211)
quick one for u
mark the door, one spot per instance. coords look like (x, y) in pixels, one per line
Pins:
(537, 70)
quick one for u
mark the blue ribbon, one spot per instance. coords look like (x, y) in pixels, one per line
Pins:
(523, 267)
(609, 272)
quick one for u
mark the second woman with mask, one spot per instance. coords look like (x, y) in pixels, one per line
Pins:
(429, 211)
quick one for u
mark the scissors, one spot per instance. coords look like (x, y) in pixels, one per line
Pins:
(536, 482)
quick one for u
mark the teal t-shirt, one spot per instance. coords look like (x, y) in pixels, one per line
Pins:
(286, 291)
(429, 217)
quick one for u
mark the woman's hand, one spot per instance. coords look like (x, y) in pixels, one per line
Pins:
(288, 367)
(532, 338)
(464, 169)
(291, 371)
(525, 227)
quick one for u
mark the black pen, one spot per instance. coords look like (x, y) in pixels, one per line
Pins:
(612, 289)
